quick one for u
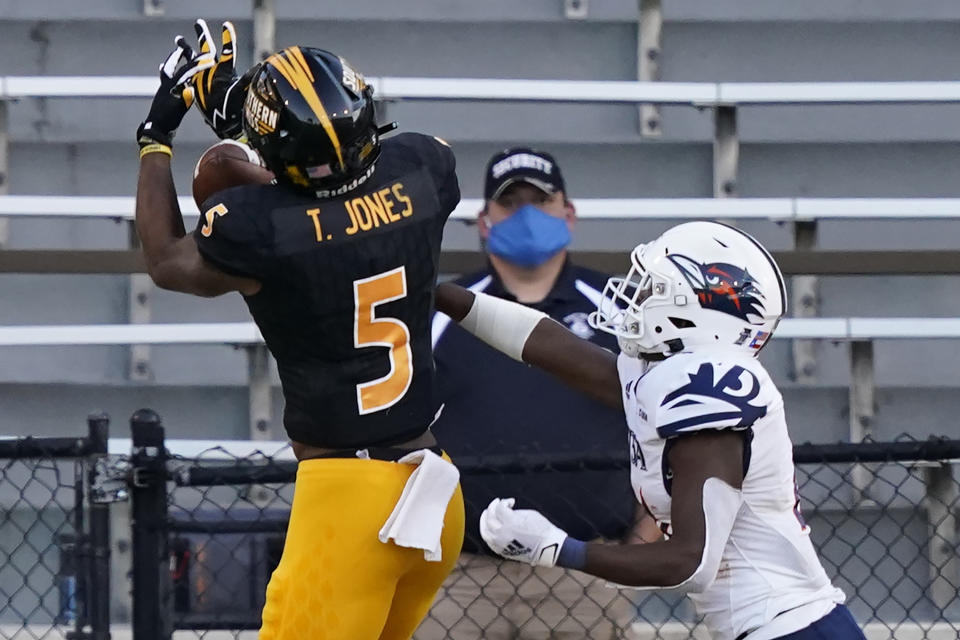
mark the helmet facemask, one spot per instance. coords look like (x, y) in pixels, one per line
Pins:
(633, 308)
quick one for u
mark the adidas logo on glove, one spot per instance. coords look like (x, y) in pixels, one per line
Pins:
(515, 548)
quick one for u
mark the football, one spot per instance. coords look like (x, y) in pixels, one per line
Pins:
(226, 164)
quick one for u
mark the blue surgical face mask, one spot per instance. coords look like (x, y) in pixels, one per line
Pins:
(529, 237)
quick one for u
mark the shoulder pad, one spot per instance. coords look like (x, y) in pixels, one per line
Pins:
(694, 392)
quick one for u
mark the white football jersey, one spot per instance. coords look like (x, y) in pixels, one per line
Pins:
(770, 579)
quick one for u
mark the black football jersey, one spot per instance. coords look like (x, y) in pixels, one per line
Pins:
(347, 291)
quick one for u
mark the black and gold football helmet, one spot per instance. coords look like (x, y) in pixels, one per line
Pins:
(312, 118)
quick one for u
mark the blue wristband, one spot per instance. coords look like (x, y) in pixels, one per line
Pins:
(573, 554)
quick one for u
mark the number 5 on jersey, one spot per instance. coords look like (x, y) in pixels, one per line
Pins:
(211, 215)
(370, 331)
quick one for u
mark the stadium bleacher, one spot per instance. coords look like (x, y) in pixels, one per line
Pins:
(833, 123)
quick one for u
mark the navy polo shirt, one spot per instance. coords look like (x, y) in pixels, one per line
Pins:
(495, 405)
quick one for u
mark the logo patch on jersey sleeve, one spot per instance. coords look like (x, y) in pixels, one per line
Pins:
(707, 403)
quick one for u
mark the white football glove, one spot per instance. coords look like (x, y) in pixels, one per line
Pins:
(523, 535)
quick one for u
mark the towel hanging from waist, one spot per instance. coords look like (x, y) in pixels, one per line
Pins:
(417, 518)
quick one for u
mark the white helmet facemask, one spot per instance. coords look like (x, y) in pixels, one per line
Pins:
(627, 301)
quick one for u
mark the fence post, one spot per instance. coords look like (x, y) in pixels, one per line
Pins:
(861, 411)
(261, 408)
(940, 501)
(264, 29)
(260, 392)
(98, 580)
(148, 492)
(726, 151)
(4, 169)
(648, 61)
(77, 551)
(803, 301)
(139, 311)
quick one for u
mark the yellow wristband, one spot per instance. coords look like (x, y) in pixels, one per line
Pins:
(155, 147)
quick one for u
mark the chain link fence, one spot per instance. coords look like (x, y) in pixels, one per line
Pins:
(53, 538)
(882, 516)
(207, 530)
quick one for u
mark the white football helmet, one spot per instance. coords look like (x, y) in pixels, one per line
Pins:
(698, 284)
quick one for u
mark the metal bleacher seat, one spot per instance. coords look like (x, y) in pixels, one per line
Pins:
(774, 209)
(246, 333)
(722, 97)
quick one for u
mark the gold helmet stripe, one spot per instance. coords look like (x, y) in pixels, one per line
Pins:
(281, 65)
(310, 94)
(293, 67)
(297, 56)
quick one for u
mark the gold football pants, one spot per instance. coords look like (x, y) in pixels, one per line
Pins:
(336, 580)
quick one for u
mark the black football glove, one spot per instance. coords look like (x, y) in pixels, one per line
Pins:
(174, 97)
(218, 91)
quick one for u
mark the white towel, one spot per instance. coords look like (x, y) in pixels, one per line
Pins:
(417, 520)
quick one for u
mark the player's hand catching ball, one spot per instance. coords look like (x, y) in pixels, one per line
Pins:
(218, 90)
(173, 98)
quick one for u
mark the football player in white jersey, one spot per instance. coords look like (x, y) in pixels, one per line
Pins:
(711, 458)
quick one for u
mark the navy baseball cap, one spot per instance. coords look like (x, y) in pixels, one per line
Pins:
(521, 164)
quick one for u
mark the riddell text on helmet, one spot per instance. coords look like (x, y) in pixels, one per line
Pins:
(350, 186)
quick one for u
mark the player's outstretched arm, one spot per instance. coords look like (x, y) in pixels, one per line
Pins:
(173, 260)
(707, 475)
(533, 337)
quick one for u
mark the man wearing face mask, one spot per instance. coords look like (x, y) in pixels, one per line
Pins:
(517, 412)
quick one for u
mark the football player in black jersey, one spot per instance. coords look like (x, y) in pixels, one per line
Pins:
(337, 262)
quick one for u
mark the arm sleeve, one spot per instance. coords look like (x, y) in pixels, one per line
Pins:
(705, 394)
(228, 237)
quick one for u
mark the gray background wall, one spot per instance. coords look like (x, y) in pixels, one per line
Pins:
(85, 147)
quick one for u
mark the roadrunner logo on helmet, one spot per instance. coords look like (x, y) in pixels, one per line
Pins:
(312, 118)
(723, 287)
(699, 284)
